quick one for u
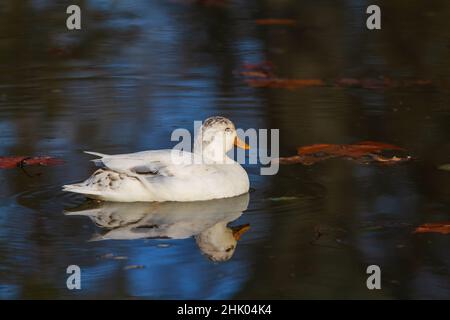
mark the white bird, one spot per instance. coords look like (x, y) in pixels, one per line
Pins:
(172, 175)
(207, 221)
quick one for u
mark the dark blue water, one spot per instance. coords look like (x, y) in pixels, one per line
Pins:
(138, 69)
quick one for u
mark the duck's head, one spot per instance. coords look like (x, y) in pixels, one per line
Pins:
(217, 137)
(219, 242)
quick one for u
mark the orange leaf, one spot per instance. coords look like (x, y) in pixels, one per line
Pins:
(354, 150)
(254, 74)
(305, 160)
(363, 152)
(279, 22)
(443, 228)
(13, 162)
(378, 145)
(316, 148)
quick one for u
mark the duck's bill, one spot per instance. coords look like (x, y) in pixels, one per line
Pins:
(241, 144)
(238, 231)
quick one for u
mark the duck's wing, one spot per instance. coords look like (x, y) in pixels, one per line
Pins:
(149, 163)
(141, 176)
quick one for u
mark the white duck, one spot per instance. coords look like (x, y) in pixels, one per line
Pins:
(172, 175)
(206, 221)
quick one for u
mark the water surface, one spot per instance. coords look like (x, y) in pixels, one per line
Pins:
(139, 69)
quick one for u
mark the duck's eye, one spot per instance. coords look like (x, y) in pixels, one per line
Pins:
(228, 130)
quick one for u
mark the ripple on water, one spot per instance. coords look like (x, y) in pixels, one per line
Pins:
(50, 198)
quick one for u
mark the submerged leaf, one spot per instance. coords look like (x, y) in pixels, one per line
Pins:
(443, 228)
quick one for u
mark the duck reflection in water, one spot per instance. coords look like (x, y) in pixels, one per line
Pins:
(206, 221)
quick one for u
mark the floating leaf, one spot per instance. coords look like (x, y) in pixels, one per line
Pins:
(442, 227)
(254, 74)
(315, 148)
(14, 162)
(375, 145)
(279, 22)
(391, 160)
(363, 152)
(445, 167)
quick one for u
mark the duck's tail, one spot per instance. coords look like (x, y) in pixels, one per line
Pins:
(83, 189)
(110, 185)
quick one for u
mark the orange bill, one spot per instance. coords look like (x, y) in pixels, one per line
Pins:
(241, 144)
(238, 231)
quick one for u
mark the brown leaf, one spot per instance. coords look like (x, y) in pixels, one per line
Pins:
(352, 150)
(316, 148)
(254, 74)
(307, 161)
(389, 161)
(14, 162)
(279, 22)
(442, 227)
(363, 152)
(378, 145)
